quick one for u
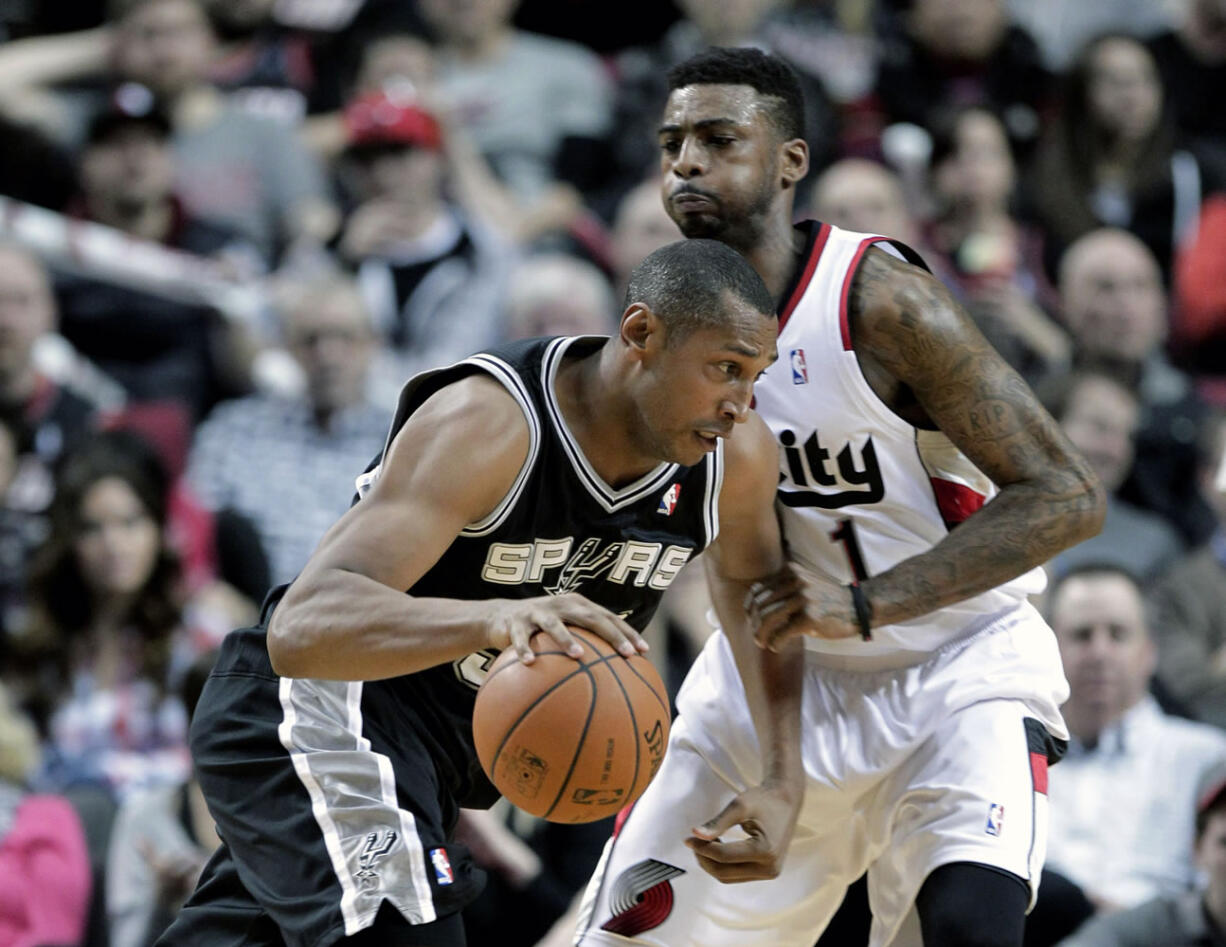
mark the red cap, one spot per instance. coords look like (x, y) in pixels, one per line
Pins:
(382, 118)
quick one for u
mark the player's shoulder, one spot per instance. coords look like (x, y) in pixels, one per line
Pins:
(751, 456)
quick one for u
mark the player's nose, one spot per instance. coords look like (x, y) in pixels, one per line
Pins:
(690, 161)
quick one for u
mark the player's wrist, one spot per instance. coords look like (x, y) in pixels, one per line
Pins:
(862, 611)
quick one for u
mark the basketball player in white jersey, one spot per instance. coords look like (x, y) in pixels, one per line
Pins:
(921, 486)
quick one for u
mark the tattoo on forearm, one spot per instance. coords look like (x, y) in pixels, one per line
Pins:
(909, 325)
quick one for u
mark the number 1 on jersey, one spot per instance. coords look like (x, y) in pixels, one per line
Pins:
(846, 534)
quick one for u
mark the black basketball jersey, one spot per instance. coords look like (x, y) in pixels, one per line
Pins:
(559, 529)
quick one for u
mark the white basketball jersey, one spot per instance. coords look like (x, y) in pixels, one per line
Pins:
(861, 489)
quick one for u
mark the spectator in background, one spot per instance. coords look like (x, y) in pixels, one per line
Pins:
(1189, 602)
(955, 53)
(44, 863)
(432, 277)
(106, 639)
(1192, 62)
(1113, 157)
(555, 294)
(287, 464)
(47, 416)
(1193, 919)
(1113, 305)
(1099, 415)
(537, 108)
(160, 841)
(866, 197)
(640, 226)
(156, 348)
(249, 173)
(1121, 801)
(1062, 28)
(995, 261)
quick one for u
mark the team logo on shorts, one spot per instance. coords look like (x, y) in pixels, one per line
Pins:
(642, 898)
(800, 371)
(996, 819)
(377, 845)
(442, 867)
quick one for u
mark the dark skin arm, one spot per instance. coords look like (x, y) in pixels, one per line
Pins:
(924, 357)
(347, 617)
(749, 547)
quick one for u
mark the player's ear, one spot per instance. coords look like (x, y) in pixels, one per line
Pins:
(640, 328)
(793, 162)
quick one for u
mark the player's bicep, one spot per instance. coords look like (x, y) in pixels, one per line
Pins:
(749, 545)
(432, 483)
(913, 327)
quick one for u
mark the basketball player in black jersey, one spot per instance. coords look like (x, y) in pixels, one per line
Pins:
(552, 481)
(732, 153)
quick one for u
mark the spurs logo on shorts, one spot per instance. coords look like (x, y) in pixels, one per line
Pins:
(377, 845)
(642, 898)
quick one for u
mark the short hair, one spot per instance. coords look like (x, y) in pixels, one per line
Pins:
(1096, 569)
(684, 283)
(768, 75)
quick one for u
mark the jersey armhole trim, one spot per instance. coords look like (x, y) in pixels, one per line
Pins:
(512, 382)
(715, 484)
(815, 255)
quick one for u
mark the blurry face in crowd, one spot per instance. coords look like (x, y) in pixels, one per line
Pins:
(1125, 91)
(1211, 851)
(395, 58)
(557, 295)
(242, 14)
(1101, 421)
(727, 19)
(403, 173)
(467, 22)
(117, 540)
(329, 335)
(959, 29)
(1112, 296)
(27, 311)
(719, 162)
(1207, 22)
(166, 45)
(1099, 621)
(129, 170)
(1208, 474)
(980, 172)
(640, 228)
(863, 196)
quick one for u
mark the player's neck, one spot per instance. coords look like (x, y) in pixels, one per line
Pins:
(777, 255)
(599, 417)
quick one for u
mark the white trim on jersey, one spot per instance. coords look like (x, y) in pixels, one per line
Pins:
(715, 484)
(351, 787)
(600, 491)
(505, 374)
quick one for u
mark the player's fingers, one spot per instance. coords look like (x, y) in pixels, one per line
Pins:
(731, 815)
(552, 625)
(729, 853)
(519, 633)
(738, 872)
(778, 626)
(614, 629)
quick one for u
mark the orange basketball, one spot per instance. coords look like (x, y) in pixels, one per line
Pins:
(571, 740)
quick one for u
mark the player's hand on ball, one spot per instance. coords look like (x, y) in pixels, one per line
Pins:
(795, 601)
(767, 814)
(514, 622)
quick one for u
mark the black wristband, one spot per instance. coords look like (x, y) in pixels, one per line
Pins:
(864, 611)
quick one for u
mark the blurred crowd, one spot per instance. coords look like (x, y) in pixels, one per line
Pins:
(230, 229)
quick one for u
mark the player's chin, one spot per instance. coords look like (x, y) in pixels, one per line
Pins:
(700, 226)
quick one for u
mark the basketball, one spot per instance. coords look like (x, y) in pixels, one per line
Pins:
(571, 740)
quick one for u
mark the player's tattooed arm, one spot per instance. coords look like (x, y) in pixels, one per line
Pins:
(906, 325)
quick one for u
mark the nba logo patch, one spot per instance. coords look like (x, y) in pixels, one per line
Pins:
(800, 372)
(668, 502)
(442, 867)
(996, 819)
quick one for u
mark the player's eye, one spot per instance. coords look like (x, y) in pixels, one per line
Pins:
(721, 141)
(670, 146)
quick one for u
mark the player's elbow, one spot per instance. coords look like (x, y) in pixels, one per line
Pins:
(289, 638)
(1091, 505)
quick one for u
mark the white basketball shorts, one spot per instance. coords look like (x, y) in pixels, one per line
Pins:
(907, 770)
